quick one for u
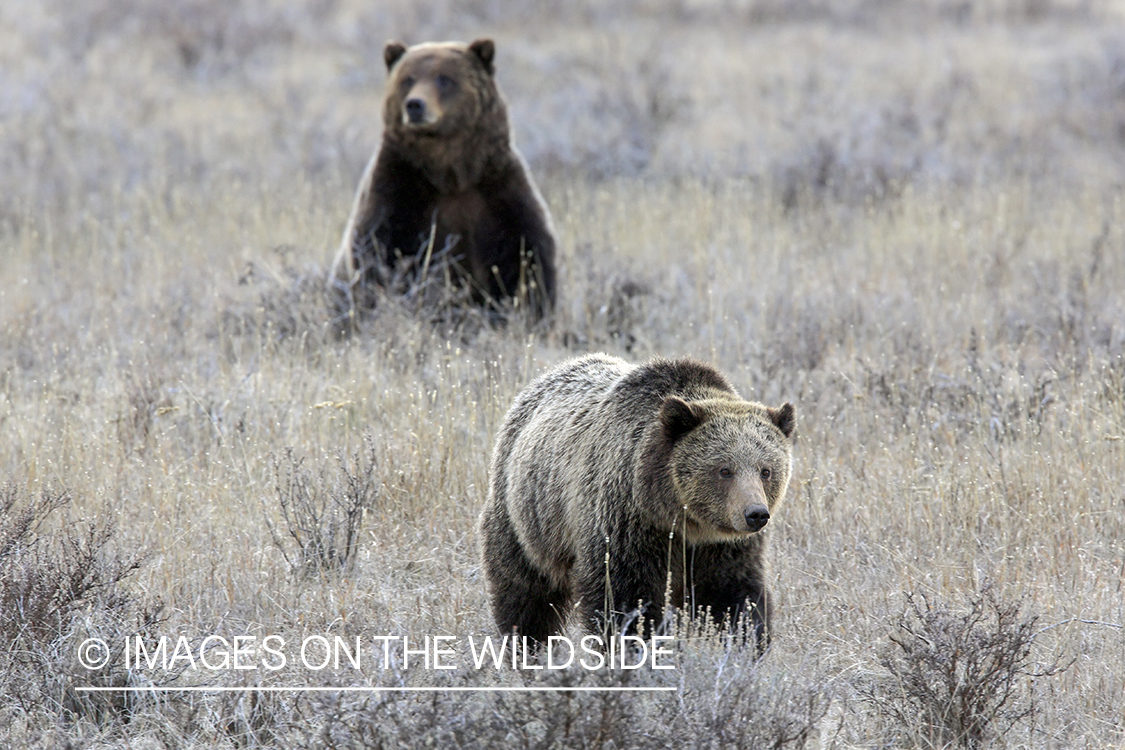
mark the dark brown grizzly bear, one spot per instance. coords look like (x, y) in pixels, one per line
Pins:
(447, 178)
(613, 483)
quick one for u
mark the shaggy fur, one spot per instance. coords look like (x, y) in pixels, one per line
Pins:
(662, 467)
(448, 177)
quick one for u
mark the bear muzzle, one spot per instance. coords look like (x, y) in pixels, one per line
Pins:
(414, 111)
(757, 516)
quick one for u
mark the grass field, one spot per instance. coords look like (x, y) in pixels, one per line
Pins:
(907, 218)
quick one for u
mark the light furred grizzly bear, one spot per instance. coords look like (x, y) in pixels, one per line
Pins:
(613, 483)
(447, 180)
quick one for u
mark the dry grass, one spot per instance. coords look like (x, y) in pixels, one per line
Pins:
(907, 218)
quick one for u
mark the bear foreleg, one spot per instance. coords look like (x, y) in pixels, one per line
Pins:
(523, 600)
(625, 595)
(728, 583)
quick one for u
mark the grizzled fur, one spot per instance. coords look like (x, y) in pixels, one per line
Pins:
(447, 175)
(664, 463)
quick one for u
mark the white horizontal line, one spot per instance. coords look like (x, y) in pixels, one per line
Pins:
(319, 689)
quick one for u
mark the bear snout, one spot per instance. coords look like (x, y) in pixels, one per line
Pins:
(415, 110)
(757, 516)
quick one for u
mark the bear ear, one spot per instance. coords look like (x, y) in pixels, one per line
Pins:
(679, 417)
(784, 418)
(485, 50)
(392, 52)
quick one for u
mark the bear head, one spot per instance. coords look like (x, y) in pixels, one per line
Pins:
(730, 462)
(442, 89)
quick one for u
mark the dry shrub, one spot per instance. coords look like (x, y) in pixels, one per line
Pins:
(59, 585)
(49, 578)
(614, 303)
(419, 283)
(281, 298)
(961, 678)
(433, 286)
(746, 705)
(322, 511)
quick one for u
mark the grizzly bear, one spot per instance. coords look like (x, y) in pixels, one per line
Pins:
(447, 182)
(622, 487)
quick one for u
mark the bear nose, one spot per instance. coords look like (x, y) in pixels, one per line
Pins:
(756, 517)
(415, 110)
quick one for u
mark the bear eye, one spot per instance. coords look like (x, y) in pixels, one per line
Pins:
(766, 474)
(407, 83)
(725, 472)
(445, 84)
